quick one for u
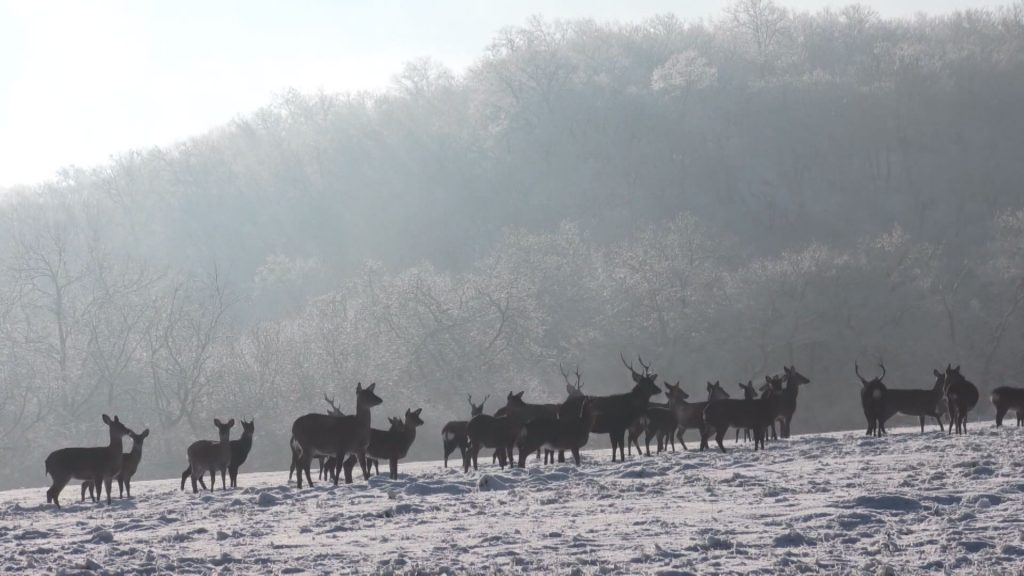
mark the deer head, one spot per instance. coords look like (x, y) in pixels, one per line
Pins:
(248, 427)
(793, 378)
(573, 390)
(675, 392)
(514, 403)
(864, 382)
(476, 409)
(716, 392)
(365, 396)
(748, 390)
(646, 382)
(412, 417)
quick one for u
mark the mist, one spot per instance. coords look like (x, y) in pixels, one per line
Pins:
(721, 197)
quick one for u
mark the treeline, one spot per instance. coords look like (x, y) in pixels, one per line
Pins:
(772, 187)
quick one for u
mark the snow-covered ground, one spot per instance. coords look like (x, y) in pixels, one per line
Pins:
(835, 503)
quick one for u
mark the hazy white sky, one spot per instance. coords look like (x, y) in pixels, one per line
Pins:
(82, 81)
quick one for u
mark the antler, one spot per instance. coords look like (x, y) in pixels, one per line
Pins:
(334, 409)
(469, 397)
(565, 376)
(882, 366)
(647, 368)
(856, 369)
(627, 364)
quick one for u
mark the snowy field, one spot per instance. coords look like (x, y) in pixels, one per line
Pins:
(833, 503)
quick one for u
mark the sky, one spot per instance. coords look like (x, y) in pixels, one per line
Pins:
(81, 82)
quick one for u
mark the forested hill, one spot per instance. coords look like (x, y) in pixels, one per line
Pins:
(771, 187)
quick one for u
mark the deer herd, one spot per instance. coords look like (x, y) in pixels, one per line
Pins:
(338, 441)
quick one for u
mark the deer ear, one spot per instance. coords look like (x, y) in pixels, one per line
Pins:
(217, 422)
(418, 411)
(231, 423)
(145, 433)
(371, 387)
(936, 373)
(957, 370)
(106, 419)
(654, 376)
(359, 386)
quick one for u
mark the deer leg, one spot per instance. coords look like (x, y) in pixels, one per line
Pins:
(53, 494)
(213, 479)
(448, 449)
(107, 482)
(576, 456)
(1000, 412)
(394, 468)
(719, 436)
(297, 459)
(362, 460)
(348, 464)
(120, 487)
(561, 456)
(128, 486)
(679, 435)
(223, 478)
(85, 486)
(304, 465)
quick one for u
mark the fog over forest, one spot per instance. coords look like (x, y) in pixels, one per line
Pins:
(722, 198)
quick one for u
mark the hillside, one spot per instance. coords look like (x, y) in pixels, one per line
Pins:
(841, 502)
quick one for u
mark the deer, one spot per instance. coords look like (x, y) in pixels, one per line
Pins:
(453, 435)
(787, 399)
(756, 414)
(873, 400)
(391, 445)
(129, 465)
(569, 430)
(324, 472)
(499, 432)
(206, 455)
(961, 397)
(239, 452)
(616, 412)
(99, 464)
(338, 436)
(749, 393)
(918, 402)
(1006, 398)
(773, 385)
(528, 412)
(691, 414)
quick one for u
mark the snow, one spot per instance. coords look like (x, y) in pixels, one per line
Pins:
(839, 503)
